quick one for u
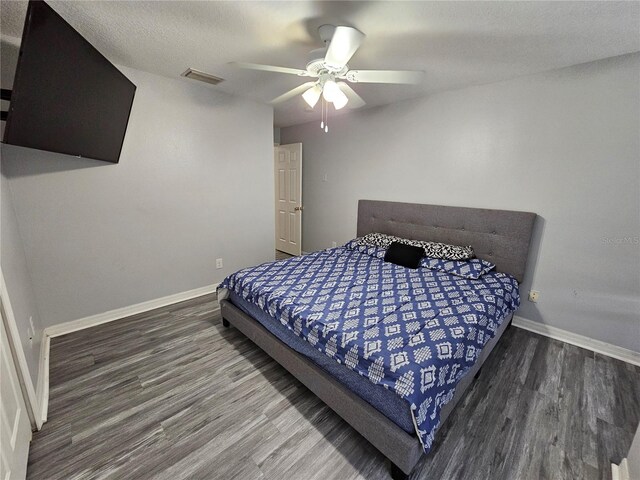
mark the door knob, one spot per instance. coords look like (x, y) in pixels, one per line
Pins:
(298, 209)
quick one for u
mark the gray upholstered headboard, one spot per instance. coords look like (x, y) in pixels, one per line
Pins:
(499, 236)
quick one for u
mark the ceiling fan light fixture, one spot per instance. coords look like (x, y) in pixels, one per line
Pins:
(331, 91)
(340, 101)
(312, 95)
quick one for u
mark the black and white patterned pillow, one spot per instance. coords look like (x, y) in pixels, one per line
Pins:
(378, 240)
(448, 252)
(431, 249)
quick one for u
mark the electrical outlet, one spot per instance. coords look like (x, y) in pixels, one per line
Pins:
(218, 263)
(33, 329)
(334, 244)
(534, 295)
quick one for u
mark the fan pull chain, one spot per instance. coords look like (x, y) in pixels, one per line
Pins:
(326, 122)
(323, 108)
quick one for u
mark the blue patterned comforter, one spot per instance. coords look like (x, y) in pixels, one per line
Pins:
(415, 332)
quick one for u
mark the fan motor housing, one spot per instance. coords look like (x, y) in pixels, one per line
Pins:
(316, 65)
(315, 61)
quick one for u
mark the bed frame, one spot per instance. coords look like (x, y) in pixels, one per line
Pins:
(500, 236)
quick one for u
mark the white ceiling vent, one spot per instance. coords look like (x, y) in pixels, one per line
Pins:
(201, 76)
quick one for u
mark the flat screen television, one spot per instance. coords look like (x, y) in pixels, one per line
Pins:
(67, 97)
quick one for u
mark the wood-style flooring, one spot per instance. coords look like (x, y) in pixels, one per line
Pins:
(171, 394)
(282, 255)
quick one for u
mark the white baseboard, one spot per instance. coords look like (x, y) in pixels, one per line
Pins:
(42, 389)
(598, 346)
(118, 313)
(620, 472)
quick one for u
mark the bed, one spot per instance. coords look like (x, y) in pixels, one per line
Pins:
(376, 410)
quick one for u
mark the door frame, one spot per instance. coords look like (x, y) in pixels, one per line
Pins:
(16, 429)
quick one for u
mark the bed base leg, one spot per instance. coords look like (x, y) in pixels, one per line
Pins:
(225, 323)
(397, 473)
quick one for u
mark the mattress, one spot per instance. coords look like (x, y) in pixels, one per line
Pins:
(410, 333)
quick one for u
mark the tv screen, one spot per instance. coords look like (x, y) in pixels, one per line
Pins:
(66, 97)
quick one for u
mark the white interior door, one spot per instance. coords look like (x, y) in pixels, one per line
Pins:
(15, 428)
(288, 177)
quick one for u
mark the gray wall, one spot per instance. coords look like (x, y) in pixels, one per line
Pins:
(564, 144)
(18, 281)
(194, 183)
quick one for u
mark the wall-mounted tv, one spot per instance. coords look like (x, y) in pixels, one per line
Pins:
(67, 97)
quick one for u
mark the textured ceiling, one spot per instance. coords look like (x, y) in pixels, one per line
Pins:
(456, 43)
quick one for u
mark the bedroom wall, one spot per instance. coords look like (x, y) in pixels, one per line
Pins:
(564, 144)
(194, 183)
(18, 281)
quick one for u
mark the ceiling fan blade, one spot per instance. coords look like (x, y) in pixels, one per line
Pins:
(355, 100)
(292, 93)
(384, 76)
(270, 68)
(344, 43)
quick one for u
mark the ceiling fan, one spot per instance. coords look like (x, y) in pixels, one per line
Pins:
(329, 64)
